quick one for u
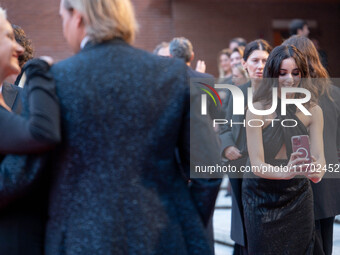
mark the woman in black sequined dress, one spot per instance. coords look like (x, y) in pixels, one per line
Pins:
(278, 205)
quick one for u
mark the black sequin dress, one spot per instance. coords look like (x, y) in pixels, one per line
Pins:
(278, 214)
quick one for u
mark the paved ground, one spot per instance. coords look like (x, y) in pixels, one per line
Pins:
(222, 218)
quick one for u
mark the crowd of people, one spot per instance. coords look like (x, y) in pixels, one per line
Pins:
(279, 212)
(96, 149)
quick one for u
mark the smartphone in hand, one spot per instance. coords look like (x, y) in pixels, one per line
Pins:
(300, 143)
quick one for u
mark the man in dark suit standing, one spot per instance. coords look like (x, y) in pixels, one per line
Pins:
(181, 48)
(117, 188)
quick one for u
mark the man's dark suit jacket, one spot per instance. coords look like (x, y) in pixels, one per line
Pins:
(231, 136)
(117, 188)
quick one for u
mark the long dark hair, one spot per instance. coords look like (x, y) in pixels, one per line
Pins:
(272, 70)
(316, 69)
(258, 44)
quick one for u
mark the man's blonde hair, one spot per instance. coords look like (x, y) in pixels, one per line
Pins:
(106, 19)
(3, 14)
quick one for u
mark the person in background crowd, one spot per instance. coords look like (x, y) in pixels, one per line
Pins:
(278, 207)
(236, 42)
(298, 27)
(224, 66)
(240, 75)
(233, 138)
(326, 203)
(236, 56)
(162, 49)
(23, 201)
(116, 186)
(25, 42)
(182, 48)
(200, 65)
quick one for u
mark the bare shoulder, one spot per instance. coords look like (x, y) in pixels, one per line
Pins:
(317, 115)
(315, 110)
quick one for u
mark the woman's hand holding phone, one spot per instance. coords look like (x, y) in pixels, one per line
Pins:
(297, 165)
(315, 173)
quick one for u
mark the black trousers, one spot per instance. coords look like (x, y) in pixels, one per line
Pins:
(323, 236)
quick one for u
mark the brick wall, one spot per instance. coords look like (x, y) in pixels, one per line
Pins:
(209, 24)
(155, 18)
(41, 22)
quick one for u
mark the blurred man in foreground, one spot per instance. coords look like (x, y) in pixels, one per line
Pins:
(117, 188)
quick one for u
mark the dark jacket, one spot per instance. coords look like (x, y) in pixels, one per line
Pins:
(326, 202)
(230, 136)
(23, 194)
(117, 188)
(12, 97)
(235, 136)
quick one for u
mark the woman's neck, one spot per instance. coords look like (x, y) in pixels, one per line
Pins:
(255, 84)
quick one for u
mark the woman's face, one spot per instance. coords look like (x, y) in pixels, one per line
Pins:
(235, 58)
(238, 79)
(10, 50)
(289, 76)
(225, 63)
(255, 64)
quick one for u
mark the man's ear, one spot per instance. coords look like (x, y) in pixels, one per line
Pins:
(192, 56)
(78, 18)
